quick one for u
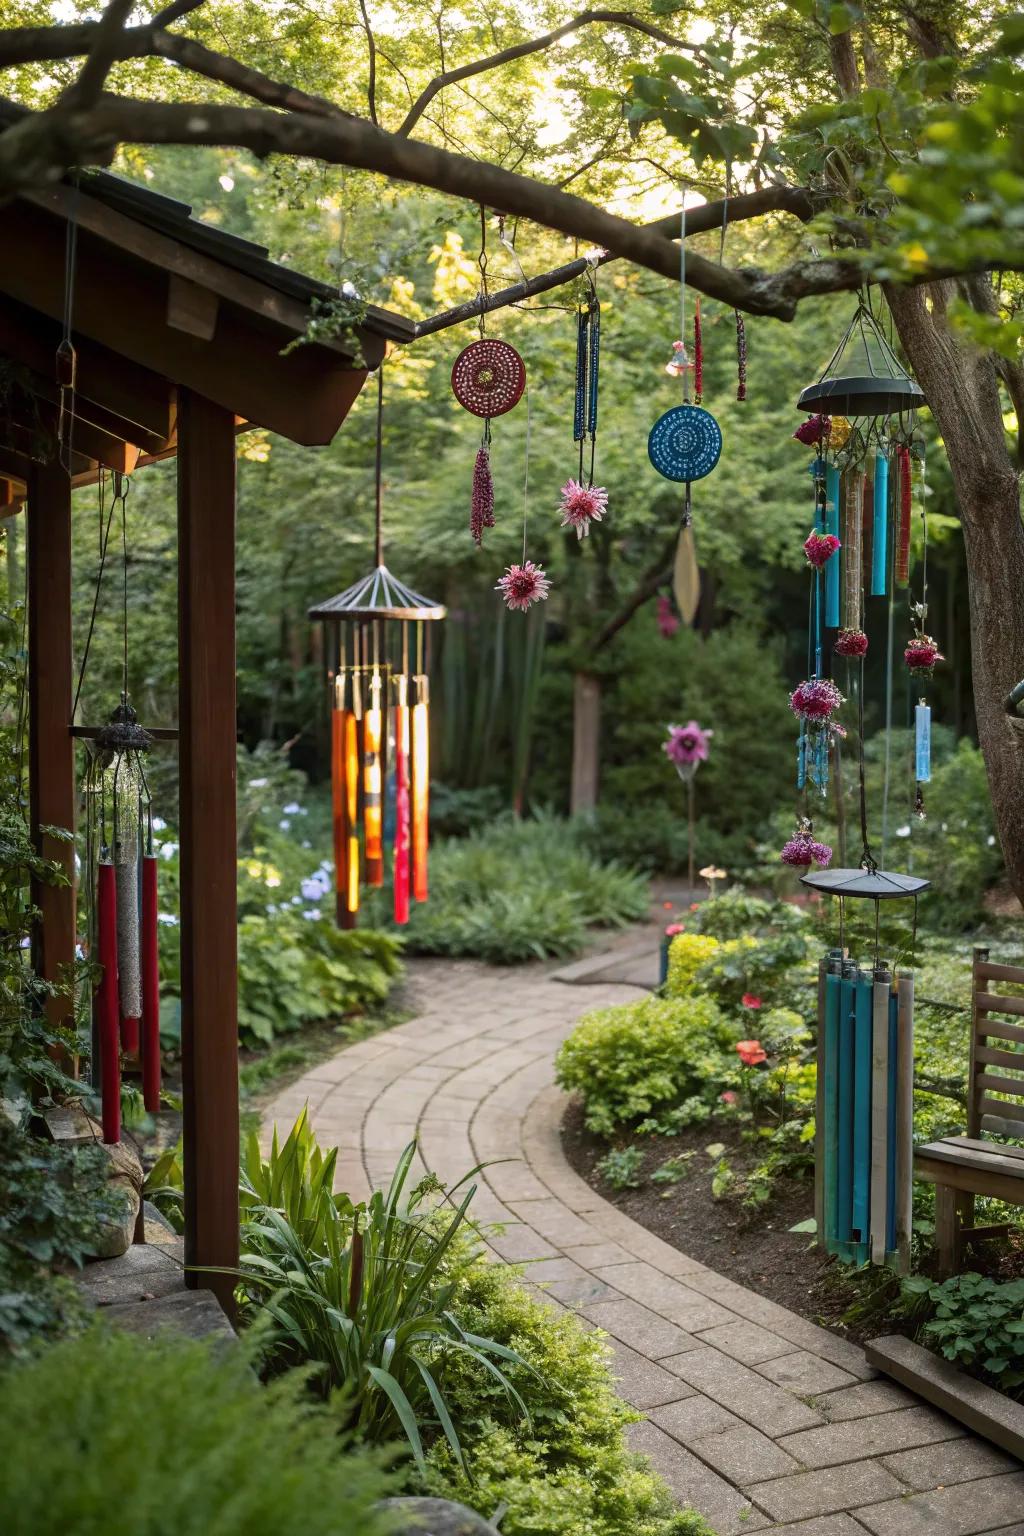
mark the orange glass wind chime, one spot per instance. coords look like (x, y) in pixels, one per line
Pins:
(377, 649)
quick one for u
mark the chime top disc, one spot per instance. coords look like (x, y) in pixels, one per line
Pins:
(873, 885)
(864, 395)
(488, 377)
(685, 443)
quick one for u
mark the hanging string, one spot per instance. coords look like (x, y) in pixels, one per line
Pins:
(378, 517)
(67, 358)
(122, 483)
(104, 542)
(526, 475)
(481, 262)
(682, 296)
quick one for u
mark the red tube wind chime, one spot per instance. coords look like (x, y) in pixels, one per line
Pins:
(124, 941)
(378, 673)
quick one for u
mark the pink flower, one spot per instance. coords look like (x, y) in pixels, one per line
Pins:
(673, 929)
(851, 642)
(750, 1000)
(581, 506)
(921, 655)
(667, 621)
(815, 700)
(814, 429)
(523, 584)
(728, 1097)
(751, 1052)
(820, 547)
(694, 905)
(803, 850)
(687, 744)
(481, 514)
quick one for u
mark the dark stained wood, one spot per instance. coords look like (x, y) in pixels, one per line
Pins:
(95, 417)
(1000, 1186)
(51, 750)
(191, 308)
(997, 1029)
(983, 1158)
(206, 714)
(985, 1146)
(305, 395)
(982, 1409)
(997, 1084)
(135, 394)
(38, 440)
(1003, 1107)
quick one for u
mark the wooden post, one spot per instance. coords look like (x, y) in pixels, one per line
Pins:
(51, 748)
(586, 743)
(206, 716)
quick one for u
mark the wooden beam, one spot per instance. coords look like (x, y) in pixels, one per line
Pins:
(136, 394)
(51, 749)
(305, 395)
(190, 308)
(38, 439)
(208, 860)
(93, 418)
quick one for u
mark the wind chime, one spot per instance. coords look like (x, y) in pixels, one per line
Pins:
(863, 418)
(583, 502)
(122, 877)
(378, 673)
(685, 443)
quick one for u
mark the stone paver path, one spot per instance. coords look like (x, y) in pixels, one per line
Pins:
(753, 1415)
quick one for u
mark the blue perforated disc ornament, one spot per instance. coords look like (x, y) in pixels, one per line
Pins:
(685, 443)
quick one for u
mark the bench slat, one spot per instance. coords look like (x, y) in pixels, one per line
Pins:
(998, 1148)
(968, 1157)
(996, 1058)
(987, 971)
(996, 1083)
(987, 1002)
(998, 1029)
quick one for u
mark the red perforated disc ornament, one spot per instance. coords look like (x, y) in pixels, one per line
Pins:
(488, 377)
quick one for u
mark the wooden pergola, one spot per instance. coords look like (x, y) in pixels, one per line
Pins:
(179, 331)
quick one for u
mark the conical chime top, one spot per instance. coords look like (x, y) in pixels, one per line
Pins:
(378, 596)
(871, 884)
(863, 377)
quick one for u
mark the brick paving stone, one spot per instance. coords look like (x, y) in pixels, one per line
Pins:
(766, 1406)
(744, 1455)
(936, 1466)
(643, 1330)
(822, 1525)
(878, 1435)
(747, 1342)
(586, 1291)
(665, 1295)
(554, 1220)
(694, 1418)
(867, 1397)
(518, 1243)
(726, 1509)
(642, 1382)
(805, 1373)
(591, 1255)
(826, 1492)
(984, 1505)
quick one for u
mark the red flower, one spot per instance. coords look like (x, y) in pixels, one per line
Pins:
(729, 1097)
(851, 642)
(751, 1052)
(673, 929)
(523, 584)
(751, 1000)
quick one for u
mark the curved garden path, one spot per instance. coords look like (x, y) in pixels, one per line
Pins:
(753, 1415)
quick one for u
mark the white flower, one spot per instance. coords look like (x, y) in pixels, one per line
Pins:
(284, 823)
(227, 182)
(314, 888)
(168, 850)
(313, 913)
(293, 808)
(944, 826)
(159, 824)
(306, 843)
(25, 942)
(168, 918)
(991, 840)
(257, 783)
(273, 881)
(903, 831)
(272, 908)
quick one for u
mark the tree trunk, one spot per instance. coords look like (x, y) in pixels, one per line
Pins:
(586, 742)
(962, 388)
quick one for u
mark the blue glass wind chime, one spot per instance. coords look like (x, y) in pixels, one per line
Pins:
(863, 418)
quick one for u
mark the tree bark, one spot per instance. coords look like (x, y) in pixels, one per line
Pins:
(961, 385)
(586, 742)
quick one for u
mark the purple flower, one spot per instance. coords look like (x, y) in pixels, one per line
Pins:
(802, 850)
(813, 429)
(482, 508)
(687, 744)
(815, 700)
(582, 505)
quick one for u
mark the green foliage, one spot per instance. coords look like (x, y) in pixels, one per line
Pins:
(295, 1179)
(224, 1454)
(978, 1322)
(621, 1167)
(762, 967)
(365, 1301)
(738, 913)
(686, 954)
(521, 890)
(567, 1471)
(53, 1201)
(955, 846)
(627, 1061)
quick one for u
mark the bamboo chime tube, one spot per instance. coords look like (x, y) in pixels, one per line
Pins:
(420, 786)
(129, 976)
(880, 528)
(150, 988)
(853, 522)
(107, 1003)
(402, 808)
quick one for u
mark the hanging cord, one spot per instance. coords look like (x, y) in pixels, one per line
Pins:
(867, 860)
(889, 646)
(378, 516)
(682, 296)
(67, 358)
(104, 544)
(123, 485)
(481, 262)
(526, 476)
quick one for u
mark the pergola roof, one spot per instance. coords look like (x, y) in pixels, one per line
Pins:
(159, 299)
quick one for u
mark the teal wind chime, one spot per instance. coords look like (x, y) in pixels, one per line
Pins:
(862, 423)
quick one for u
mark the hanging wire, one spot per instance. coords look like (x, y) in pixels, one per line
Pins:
(123, 485)
(481, 262)
(526, 475)
(104, 544)
(378, 524)
(67, 361)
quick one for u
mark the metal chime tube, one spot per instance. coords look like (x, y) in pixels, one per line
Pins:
(833, 567)
(903, 527)
(373, 778)
(150, 987)
(922, 742)
(853, 523)
(902, 1025)
(344, 805)
(402, 806)
(129, 973)
(107, 1003)
(880, 528)
(420, 785)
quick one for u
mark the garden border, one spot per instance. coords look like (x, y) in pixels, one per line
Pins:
(980, 1408)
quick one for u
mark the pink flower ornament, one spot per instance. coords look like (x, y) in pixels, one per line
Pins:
(687, 745)
(815, 700)
(581, 506)
(819, 548)
(523, 585)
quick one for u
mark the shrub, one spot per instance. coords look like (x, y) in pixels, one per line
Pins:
(686, 954)
(567, 1473)
(621, 1167)
(169, 1436)
(737, 913)
(758, 966)
(628, 1060)
(294, 970)
(978, 1322)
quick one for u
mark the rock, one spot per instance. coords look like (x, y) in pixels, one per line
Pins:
(115, 1236)
(437, 1517)
(193, 1314)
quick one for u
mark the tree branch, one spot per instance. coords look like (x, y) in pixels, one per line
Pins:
(174, 12)
(535, 45)
(103, 53)
(657, 572)
(371, 83)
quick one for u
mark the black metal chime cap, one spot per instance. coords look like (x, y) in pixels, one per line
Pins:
(863, 377)
(872, 884)
(122, 732)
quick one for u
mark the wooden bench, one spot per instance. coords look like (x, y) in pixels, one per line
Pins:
(962, 1167)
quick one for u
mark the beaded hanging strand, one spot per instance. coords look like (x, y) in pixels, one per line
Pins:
(582, 501)
(741, 327)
